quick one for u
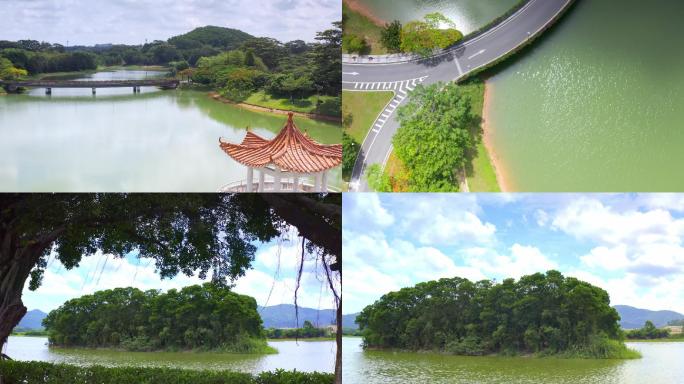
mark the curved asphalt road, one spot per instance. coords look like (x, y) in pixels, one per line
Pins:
(451, 65)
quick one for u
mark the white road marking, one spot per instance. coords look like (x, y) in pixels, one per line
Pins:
(477, 54)
(350, 73)
(458, 66)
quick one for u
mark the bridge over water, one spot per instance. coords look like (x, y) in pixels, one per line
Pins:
(15, 86)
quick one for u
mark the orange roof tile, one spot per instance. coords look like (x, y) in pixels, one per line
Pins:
(291, 150)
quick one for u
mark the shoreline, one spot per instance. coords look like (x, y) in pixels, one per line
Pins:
(487, 139)
(363, 10)
(257, 108)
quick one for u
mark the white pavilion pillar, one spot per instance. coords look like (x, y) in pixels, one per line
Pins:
(324, 187)
(261, 181)
(277, 182)
(317, 182)
(250, 179)
(295, 184)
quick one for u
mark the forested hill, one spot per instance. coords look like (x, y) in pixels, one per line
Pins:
(217, 37)
(32, 320)
(633, 318)
(283, 316)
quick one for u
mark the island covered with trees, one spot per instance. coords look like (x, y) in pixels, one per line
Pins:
(307, 331)
(295, 75)
(539, 314)
(199, 317)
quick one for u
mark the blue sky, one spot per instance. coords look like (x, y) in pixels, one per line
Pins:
(88, 22)
(629, 244)
(274, 273)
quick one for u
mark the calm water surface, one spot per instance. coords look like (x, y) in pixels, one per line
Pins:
(661, 364)
(307, 356)
(469, 15)
(118, 141)
(598, 104)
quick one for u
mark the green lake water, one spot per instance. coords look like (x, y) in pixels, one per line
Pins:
(469, 15)
(117, 141)
(597, 104)
(660, 365)
(307, 356)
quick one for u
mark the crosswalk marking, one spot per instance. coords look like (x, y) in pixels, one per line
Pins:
(398, 86)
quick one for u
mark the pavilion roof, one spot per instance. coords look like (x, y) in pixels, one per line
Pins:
(291, 150)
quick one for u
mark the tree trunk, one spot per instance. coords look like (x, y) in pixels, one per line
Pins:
(338, 337)
(15, 267)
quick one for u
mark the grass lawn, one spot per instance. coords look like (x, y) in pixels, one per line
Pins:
(307, 105)
(359, 25)
(481, 175)
(364, 108)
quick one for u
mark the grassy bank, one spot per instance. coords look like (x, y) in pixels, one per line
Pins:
(245, 346)
(17, 372)
(364, 108)
(359, 25)
(480, 174)
(323, 105)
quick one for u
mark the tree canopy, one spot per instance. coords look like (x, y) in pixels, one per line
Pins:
(205, 317)
(423, 37)
(435, 136)
(648, 331)
(546, 313)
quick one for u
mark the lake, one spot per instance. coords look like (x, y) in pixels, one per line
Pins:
(468, 15)
(307, 356)
(120, 142)
(661, 364)
(597, 104)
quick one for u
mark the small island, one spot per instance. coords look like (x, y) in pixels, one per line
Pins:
(206, 317)
(537, 315)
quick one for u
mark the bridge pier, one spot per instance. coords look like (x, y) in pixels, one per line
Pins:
(94, 91)
(48, 91)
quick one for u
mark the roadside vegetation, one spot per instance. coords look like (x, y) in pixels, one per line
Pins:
(540, 314)
(423, 37)
(199, 317)
(440, 136)
(18, 372)
(359, 111)
(29, 332)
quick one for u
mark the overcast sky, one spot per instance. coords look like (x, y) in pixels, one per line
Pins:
(274, 274)
(630, 245)
(89, 22)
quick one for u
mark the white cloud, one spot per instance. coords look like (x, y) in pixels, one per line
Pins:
(522, 260)
(365, 209)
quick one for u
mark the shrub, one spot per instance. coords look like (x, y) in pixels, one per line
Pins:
(423, 37)
(391, 36)
(350, 151)
(20, 372)
(354, 44)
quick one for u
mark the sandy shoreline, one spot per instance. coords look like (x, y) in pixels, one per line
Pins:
(362, 9)
(487, 139)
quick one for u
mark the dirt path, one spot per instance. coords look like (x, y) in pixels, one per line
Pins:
(362, 9)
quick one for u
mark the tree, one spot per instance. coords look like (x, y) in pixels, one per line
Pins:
(354, 44)
(434, 137)
(423, 37)
(391, 36)
(8, 71)
(268, 49)
(377, 179)
(203, 233)
(350, 151)
(326, 59)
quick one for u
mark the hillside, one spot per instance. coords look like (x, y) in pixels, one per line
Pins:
(632, 318)
(32, 320)
(217, 37)
(283, 316)
(349, 321)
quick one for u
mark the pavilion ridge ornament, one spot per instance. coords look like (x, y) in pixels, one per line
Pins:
(288, 159)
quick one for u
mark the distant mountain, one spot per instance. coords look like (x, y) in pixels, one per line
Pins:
(349, 321)
(217, 37)
(32, 320)
(283, 316)
(631, 317)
